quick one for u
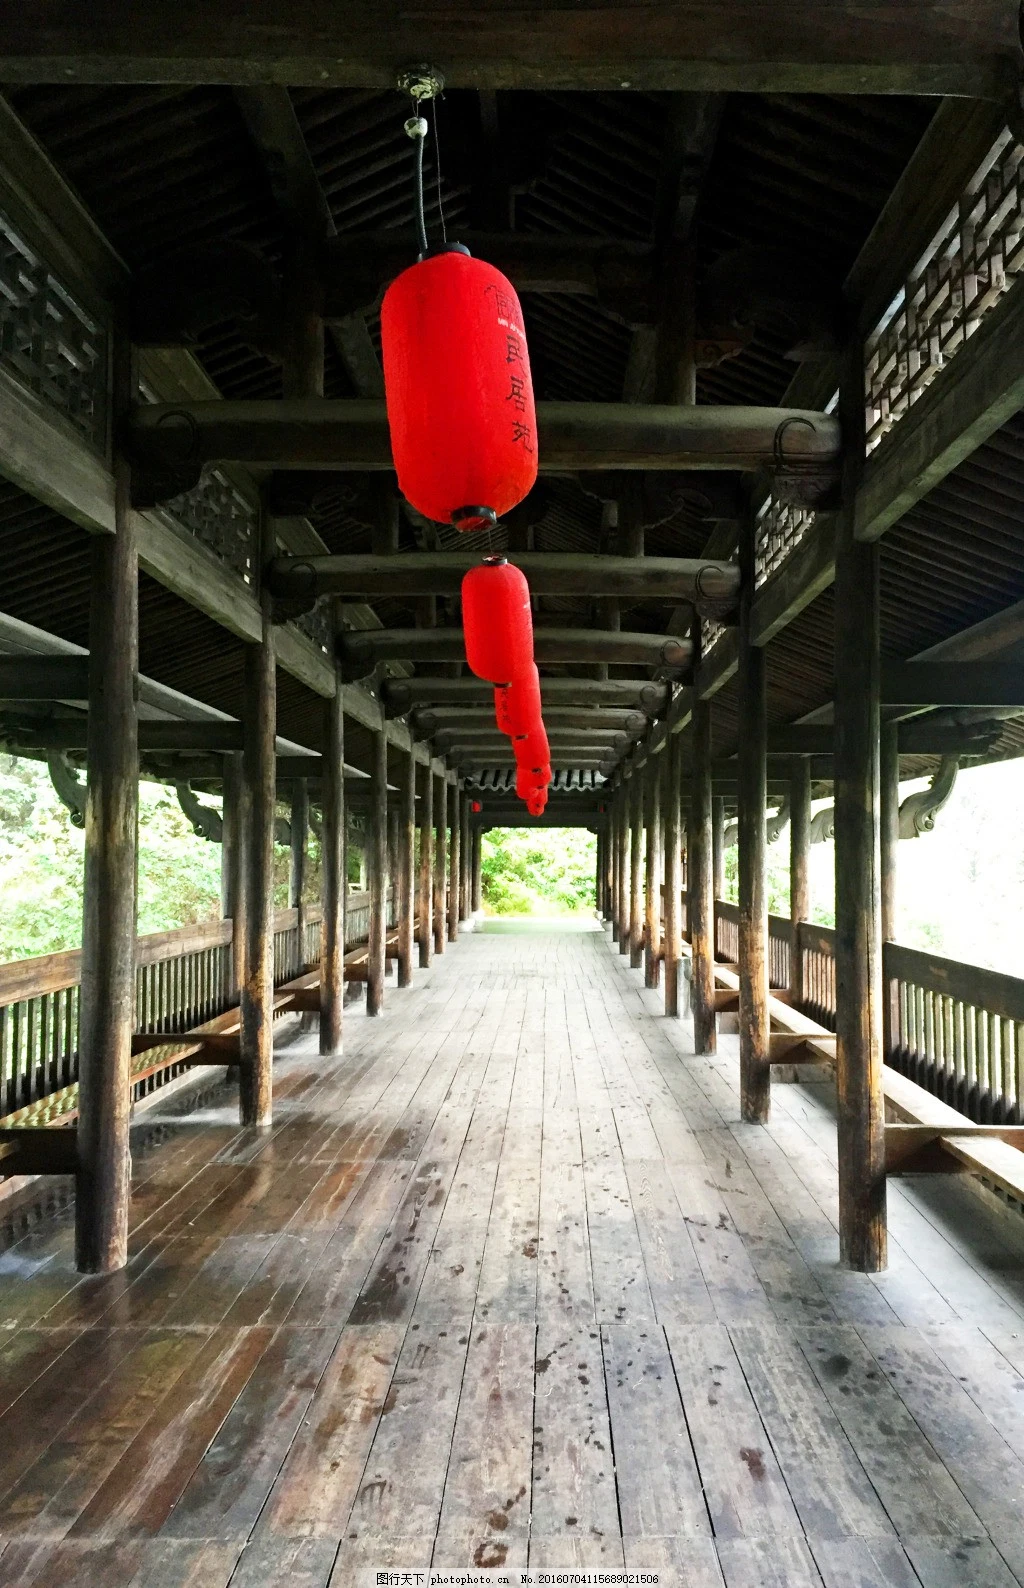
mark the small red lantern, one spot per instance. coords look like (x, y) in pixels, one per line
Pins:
(476, 807)
(517, 706)
(496, 620)
(532, 749)
(458, 388)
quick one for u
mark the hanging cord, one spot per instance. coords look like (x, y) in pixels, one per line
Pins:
(437, 170)
(416, 128)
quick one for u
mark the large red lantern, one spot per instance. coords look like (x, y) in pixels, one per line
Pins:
(496, 620)
(517, 706)
(458, 388)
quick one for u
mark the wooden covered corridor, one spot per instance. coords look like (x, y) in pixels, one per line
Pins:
(513, 1284)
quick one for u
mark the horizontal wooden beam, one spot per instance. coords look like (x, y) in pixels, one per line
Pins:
(24, 678)
(323, 433)
(931, 1149)
(952, 684)
(399, 695)
(356, 267)
(435, 719)
(364, 648)
(915, 737)
(667, 579)
(901, 47)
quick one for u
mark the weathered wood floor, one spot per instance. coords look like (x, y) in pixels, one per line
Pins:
(510, 1284)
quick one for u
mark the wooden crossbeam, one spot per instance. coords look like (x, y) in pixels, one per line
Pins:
(952, 684)
(363, 648)
(902, 47)
(321, 433)
(930, 1149)
(668, 579)
(44, 678)
(399, 695)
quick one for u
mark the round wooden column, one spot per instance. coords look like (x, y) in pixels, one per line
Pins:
(636, 875)
(426, 869)
(232, 864)
(297, 866)
(440, 864)
(464, 858)
(673, 872)
(478, 877)
(700, 890)
(454, 850)
(407, 872)
(377, 867)
(333, 884)
(718, 845)
(858, 942)
(799, 871)
(625, 848)
(652, 872)
(106, 1017)
(752, 796)
(259, 769)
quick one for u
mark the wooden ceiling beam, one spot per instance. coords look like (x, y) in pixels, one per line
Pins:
(399, 695)
(434, 719)
(799, 46)
(360, 650)
(317, 433)
(672, 579)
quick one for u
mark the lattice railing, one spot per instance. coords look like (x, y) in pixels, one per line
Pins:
(317, 624)
(48, 341)
(217, 513)
(779, 528)
(970, 262)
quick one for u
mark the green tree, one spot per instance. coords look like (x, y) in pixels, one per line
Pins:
(538, 871)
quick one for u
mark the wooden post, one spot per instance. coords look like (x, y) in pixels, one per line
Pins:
(297, 868)
(614, 817)
(673, 873)
(454, 847)
(478, 875)
(625, 840)
(752, 795)
(440, 865)
(599, 900)
(393, 887)
(858, 944)
(889, 832)
(718, 845)
(259, 769)
(636, 876)
(426, 876)
(407, 868)
(377, 868)
(652, 873)
(108, 925)
(233, 864)
(464, 858)
(799, 871)
(700, 889)
(334, 883)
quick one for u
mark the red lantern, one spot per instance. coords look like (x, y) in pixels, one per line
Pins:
(458, 388)
(496, 620)
(529, 783)
(536, 804)
(517, 706)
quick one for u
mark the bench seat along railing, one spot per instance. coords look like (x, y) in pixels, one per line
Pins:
(182, 979)
(957, 1030)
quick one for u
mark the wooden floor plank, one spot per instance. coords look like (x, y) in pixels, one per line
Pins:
(663, 1496)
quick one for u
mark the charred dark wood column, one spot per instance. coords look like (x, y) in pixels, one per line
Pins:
(377, 872)
(614, 835)
(752, 795)
(700, 891)
(799, 871)
(889, 833)
(232, 864)
(718, 845)
(407, 871)
(259, 769)
(108, 923)
(636, 874)
(859, 1024)
(297, 868)
(334, 884)
(426, 872)
(454, 848)
(652, 873)
(440, 865)
(464, 857)
(673, 871)
(599, 880)
(625, 849)
(478, 875)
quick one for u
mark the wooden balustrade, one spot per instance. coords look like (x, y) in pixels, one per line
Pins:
(955, 1029)
(182, 978)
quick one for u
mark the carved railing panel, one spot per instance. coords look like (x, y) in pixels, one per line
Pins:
(222, 517)
(968, 265)
(49, 342)
(779, 528)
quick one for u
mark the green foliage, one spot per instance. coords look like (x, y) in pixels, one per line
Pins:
(41, 865)
(538, 871)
